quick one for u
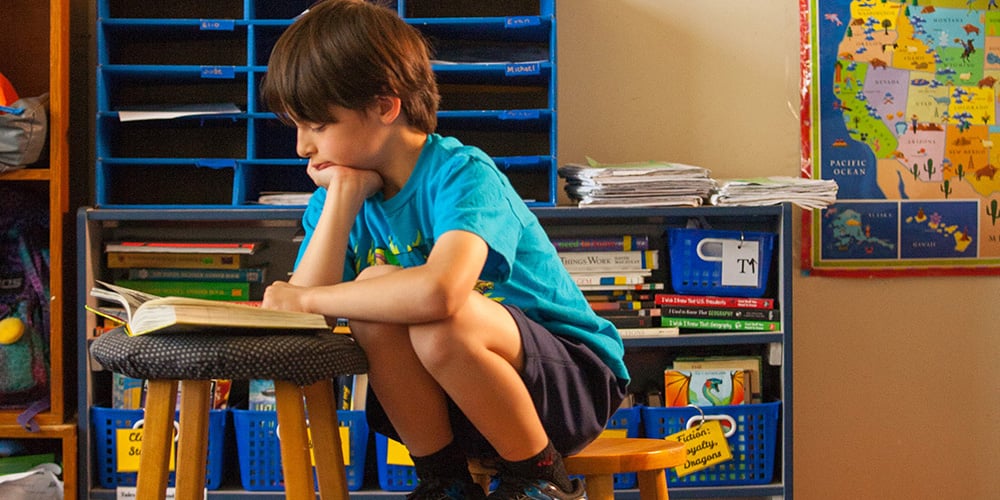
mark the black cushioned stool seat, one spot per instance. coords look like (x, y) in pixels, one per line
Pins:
(300, 365)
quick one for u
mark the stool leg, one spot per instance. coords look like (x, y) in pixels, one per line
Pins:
(600, 487)
(157, 439)
(327, 447)
(295, 463)
(192, 447)
(653, 485)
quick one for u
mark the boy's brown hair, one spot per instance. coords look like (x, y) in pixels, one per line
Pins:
(347, 53)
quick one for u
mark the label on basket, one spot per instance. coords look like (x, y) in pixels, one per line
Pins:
(740, 263)
(705, 445)
(128, 493)
(397, 454)
(614, 433)
(129, 449)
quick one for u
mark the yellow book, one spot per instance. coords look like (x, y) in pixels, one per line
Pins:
(146, 313)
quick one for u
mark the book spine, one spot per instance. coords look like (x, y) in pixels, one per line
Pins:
(181, 247)
(660, 331)
(621, 288)
(665, 299)
(610, 261)
(722, 313)
(249, 275)
(624, 305)
(608, 279)
(634, 321)
(215, 290)
(735, 325)
(123, 260)
(627, 242)
(651, 312)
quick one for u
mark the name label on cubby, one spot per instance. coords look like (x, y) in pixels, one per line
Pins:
(522, 21)
(227, 72)
(519, 69)
(520, 114)
(218, 24)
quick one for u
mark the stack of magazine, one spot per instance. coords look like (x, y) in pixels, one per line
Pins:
(637, 184)
(806, 193)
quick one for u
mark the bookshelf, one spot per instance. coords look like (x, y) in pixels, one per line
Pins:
(646, 357)
(496, 69)
(31, 32)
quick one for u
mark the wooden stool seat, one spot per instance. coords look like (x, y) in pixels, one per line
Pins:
(302, 367)
(606, 456)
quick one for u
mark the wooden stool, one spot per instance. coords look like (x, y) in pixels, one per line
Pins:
(300, 365)
(606, 456)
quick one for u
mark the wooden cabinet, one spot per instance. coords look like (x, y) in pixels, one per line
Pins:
(30, 34)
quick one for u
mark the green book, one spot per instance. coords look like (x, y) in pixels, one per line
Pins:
(722, 325)
(214, 290)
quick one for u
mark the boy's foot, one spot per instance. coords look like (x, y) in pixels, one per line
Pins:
(441, 489)
(516, 488)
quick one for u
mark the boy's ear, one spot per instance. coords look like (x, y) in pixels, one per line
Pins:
(388, 108)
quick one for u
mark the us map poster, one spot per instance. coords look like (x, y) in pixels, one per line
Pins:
(900, 107)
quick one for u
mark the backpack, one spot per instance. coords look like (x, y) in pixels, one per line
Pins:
(24, 304)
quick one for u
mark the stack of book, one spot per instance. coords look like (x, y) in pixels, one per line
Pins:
(615, 274)
(640, 184)
(202, 269)
(699, 313)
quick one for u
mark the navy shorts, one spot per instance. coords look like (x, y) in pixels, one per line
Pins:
(574, 392)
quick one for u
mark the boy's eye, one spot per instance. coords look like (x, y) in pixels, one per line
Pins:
(318, 128)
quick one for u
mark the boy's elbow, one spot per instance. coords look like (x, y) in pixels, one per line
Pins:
(444, 299)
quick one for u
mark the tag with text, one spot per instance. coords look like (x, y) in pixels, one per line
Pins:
(740, 263)
(705, 445)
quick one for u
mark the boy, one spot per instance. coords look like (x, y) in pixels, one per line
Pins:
(478, 341)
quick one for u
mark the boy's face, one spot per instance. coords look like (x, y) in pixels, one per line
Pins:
(352, 139)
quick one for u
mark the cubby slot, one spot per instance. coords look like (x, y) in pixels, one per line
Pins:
(487, 42)
(288, 9)
(163, 184)
(273, 139)
(175, 44)
(499, 136)
(256, 177)
(531, 177)
(465, 8)
(178, 138)
(264, 38)
(492, 91)
(123, 89)
(159, 9)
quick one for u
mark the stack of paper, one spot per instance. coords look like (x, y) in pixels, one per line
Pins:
(806, 193)
(639, 184)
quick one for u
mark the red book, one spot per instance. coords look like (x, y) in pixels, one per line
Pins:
(666, 299)
(183, 247)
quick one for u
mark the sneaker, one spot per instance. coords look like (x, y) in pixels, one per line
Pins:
(515, 488)
(439, 489)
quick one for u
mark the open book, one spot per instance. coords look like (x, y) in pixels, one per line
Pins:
(146, 313)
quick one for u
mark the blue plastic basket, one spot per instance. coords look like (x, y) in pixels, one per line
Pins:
(260, 453)
(107, 421)
(629, 419)
(753, 444)
(393, 477)
(696, 261)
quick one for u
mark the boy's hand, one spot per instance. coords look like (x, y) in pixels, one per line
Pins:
(348, 179)
(284, 296)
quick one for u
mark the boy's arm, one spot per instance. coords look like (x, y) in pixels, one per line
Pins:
(322, 262)
(412, 295)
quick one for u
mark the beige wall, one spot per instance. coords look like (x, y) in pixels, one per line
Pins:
(896, 381)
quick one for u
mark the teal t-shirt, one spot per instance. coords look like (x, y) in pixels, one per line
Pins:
(457, 187)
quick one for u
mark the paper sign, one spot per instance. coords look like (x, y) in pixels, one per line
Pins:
(705, 445)
(129, 449)
(397, 454)
(740, 263)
